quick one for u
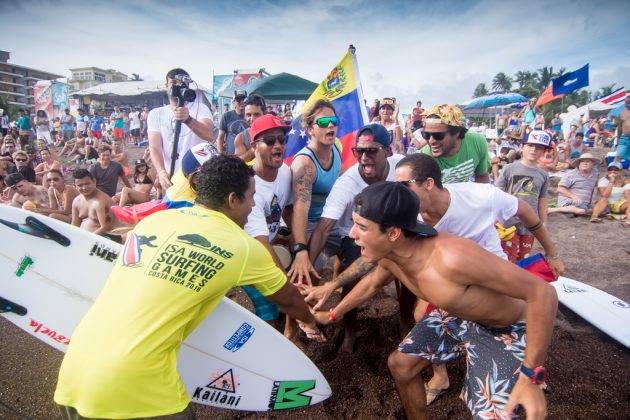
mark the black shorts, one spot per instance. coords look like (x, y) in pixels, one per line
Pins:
(348, 252)
(135, 132)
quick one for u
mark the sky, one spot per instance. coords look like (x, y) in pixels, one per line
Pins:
(433, 51)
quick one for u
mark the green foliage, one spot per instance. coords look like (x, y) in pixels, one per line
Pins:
(135, 77)
(502, 82)
(9, 110)
(480, 90)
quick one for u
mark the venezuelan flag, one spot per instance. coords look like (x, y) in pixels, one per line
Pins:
(342, 87)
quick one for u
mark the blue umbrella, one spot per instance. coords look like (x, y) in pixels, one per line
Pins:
(616, 111)
(495, 99)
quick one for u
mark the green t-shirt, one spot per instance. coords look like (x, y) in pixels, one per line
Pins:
(471, 159)
(122, 359)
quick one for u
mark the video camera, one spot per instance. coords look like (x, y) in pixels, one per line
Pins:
(182, 90)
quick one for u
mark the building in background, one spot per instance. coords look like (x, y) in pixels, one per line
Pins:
(17, 82)
(87, 77)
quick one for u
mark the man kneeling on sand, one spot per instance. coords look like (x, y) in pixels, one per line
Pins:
(490, 304)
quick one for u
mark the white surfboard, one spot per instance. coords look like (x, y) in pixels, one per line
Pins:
(51, 272)
(606, 312)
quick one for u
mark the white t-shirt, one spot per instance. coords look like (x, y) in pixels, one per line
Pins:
(134, 120)
(82, 122)
(474, 210)
(617, 193)
(271, 198)
(161, 121)
(341, 198)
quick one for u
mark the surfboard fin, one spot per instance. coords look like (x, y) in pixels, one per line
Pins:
(36, 227)
(8, 306)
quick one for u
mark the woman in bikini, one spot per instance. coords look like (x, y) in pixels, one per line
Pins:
(143, 183)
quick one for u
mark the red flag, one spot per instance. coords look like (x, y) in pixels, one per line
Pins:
(547, 96)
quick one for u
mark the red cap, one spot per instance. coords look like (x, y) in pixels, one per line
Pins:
(267, 122)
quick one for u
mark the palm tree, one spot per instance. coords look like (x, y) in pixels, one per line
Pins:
(480, 90)
(135, 77)
(606, 90)
(545, 75)
(9, 110)
(502, 82)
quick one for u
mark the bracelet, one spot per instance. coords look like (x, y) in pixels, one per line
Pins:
(160, 173)
(331, 314)
(555, 257)
(188, 120)
(536, 226)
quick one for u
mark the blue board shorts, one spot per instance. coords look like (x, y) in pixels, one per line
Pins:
(623, 147)
(493, 356)
(265, 309)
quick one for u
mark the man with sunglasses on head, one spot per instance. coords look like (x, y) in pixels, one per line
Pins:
(27, 195)
(460, 153)
(197, 128)
(315, 169)
(232, 123)
(375, 162)
(60, 197)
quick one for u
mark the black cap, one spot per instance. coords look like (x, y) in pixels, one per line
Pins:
(240, 94)
(392, 204)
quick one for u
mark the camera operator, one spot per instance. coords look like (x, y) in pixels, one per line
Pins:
(196, 128)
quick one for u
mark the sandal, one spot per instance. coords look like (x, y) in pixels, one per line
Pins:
(433, 394)
(596, 220)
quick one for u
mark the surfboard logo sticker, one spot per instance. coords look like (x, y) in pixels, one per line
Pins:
(621, 304)
(240, 337)
(131, 251)
(289, 394)
(25, 263)
(221, 391)
(39, 229)
(573, 289)
(104, 252)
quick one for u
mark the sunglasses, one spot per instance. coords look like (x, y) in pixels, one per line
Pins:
(439, 136)
(614, 168)
(370, 151)
(412, 181)
(271, 140)
(20, 160)
(325, 121)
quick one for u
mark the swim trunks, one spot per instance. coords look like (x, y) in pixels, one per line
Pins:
(493, 357)
(623, 148)
(264, 308)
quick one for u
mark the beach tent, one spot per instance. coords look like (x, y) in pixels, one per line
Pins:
(279, 87)
(592, 110)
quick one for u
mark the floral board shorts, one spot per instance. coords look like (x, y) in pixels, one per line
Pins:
(493, 357)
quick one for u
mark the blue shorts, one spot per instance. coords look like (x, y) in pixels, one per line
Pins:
(623, 148)
(265, 310)
(493, 357)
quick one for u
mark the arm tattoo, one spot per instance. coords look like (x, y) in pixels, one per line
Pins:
(304, 184)
(358, 269)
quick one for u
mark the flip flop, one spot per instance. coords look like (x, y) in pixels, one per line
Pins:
(433, 393)
(596, 220)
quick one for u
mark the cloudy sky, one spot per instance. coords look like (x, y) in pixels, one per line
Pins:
(436, 51)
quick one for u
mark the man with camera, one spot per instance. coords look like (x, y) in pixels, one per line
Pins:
(196, 125)
(232, 123)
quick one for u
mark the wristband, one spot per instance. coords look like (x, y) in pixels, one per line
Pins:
(331, 314)
(555, 257)
(188, 120)
(535, 227)
(160, 173)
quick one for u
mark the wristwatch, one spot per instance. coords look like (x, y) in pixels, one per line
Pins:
(299, 247)
(188, 120)
(538, 375)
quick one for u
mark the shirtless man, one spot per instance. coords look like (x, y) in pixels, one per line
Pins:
(623, 132)
(119, 155)
(60, 197)
(491, 304)
(91, 210)
(27, 195)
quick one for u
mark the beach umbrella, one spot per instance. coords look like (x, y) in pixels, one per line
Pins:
(616, 111)
(495, 99)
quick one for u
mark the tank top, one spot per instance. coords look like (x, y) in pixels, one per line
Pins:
(324, 182)
(575, 151)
